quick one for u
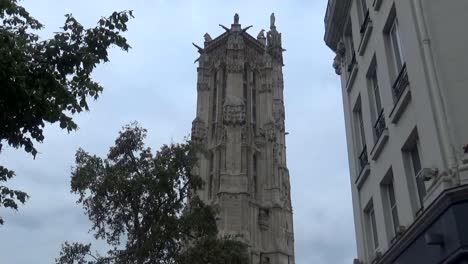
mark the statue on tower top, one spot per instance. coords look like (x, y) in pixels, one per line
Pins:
(272, 21)
(236, 19)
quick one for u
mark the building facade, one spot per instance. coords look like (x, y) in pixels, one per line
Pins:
(240, 123)
(404, 77)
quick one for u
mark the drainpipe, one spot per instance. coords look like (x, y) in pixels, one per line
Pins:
(436, 95)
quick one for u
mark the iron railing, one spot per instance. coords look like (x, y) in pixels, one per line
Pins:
(363, 159)
(401, 83)
(380, 125)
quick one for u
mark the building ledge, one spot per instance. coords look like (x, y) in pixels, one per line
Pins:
(352, 77)
(379, 145)
(362, 177)
(377, 4)
(427, 217)
(400, 106)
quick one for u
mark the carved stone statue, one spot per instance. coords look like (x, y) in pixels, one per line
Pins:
(236, 19)
(272, 20)
(207, 37)
(261, 34)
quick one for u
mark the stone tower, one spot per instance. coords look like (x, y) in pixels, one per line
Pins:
(240, 122)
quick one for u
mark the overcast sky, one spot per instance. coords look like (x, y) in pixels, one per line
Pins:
(155, 84)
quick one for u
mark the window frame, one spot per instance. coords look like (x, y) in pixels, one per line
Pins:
(395, 42)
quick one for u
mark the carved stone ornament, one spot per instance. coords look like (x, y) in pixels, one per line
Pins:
(269, 130)
(234, 65)
(202, 86)
(337, 62)
(234, 111)
(198, 131)
(265, 88)
(264, 218)
(207, 37)
(261, 34)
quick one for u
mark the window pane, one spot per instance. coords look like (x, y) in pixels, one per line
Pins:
(391, 195)
(361, 130)
(374, 229)
(396, 221)
(378, 103)
(364, 9)
(395, 39)
(416, 162)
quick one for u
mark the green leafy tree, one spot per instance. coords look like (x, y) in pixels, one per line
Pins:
(47, 81)
(144, 206)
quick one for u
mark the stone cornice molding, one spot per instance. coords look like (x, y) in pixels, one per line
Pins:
(335, 20)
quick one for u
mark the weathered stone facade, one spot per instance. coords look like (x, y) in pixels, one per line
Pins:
(240, 122)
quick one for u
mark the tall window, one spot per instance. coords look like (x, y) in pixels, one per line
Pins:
(255, 172)
(363, 4)
(416, 167)
(395, 42)
(254, 102)
(390, 191)
(215, 96)
(360, 123)
(349, 45)
(372, 236)
(376, 93)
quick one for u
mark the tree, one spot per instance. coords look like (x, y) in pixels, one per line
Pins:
(47, 81)
(145, 207)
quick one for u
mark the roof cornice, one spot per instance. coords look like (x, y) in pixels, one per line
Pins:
(335, 19)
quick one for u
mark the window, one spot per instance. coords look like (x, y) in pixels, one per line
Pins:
(360, 137)
(349, 45)
(376, 93)
(215, 96)
(364, 9)
(371, 230)
(390, 192)
(255, 172)
(395, 42)
(379, 118)
(416, 167)
(361, 128)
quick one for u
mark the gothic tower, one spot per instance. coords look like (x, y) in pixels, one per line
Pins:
(240, 122)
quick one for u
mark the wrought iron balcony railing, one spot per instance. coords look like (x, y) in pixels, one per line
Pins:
(380, 125)
(363, 159)
(401, 83)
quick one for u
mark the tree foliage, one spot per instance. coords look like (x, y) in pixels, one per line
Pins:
(47, 81)
(144, 206)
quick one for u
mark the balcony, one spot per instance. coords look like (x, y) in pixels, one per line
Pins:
(352, 72)
(381, 134)
(401, 95)
(364, 168)
(380, 125)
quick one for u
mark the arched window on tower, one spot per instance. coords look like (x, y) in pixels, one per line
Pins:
(255, 165)
(214, 103)
(254, 102)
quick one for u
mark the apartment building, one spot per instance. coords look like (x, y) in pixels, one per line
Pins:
(404, 74)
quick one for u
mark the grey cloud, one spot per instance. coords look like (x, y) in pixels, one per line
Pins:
(155, 84)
